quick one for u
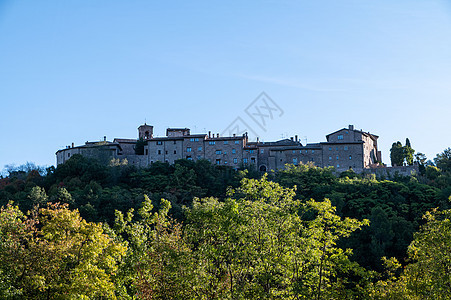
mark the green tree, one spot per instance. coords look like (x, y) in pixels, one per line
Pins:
(54, 254)
(408, 152)
(397, 154)
(158, 262)
(421, 159)
(139, 146)
(443, 160)
(261, 243)
(38, 196)
(428, 275)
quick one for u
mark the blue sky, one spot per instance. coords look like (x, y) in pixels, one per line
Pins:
(72, 71)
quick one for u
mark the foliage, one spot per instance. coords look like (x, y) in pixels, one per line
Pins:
(397, 154)
(408, 153)
(139, 146)
(428, 275)
(443, 160)
(263, 238)
(400, 155)
(53, 253)
(261, 243)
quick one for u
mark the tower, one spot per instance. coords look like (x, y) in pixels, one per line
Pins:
(145, 132)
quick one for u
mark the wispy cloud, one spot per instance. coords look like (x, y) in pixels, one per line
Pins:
(292, 82)
(347, 84)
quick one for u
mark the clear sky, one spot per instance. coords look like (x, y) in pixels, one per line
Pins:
(76, 70)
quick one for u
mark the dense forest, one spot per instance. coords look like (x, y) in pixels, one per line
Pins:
(192, 230)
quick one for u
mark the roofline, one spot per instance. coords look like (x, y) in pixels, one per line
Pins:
(361, 131)
(340, 143)
(86, 146)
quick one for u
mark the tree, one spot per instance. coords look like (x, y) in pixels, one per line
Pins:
(261, 243)
(139, 146)
(53, 253)
(408, 152)
(158, 262)
(421, 159)
(428, 275)
(443, 160)
(38, 196)
(397, 154)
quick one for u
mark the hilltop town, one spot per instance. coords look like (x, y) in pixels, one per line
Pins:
(343, 149)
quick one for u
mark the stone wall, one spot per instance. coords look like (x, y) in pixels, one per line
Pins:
(390, 172)
(343, 156)
(140, 161)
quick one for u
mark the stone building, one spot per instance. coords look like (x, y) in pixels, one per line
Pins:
(345, 148)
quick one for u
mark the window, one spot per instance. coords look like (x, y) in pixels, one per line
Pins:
(295, 160)
(199, 149)
(237, 142)
(336, 148)
(330, 148)
(346, 148)
(199, 157)
(340, 137)
(313, 151)
(235, 160)
(211, 142)
(226, 143)
(175, 151)
(262, 151)
(251, 151)
(68, 154)
(225, 152)
(330, 157)
(188, 157)
(350, 157)
(337, 157)
(245, 160)
(294, 151)
(233, 151)
(225, 162)
(218, 161)
(338, 165)
(253, 160)
(218, 152)
(166, 152)
(159, 143)
(147, 151)
(159, 151)
(196, 139)
(188, 149)
(175, 142)
(191, 139)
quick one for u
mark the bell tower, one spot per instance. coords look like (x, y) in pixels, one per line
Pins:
(145, 132)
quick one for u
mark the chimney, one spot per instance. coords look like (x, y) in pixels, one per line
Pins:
(217, 135)
(291, 138)
(351, 127)
(296, 137)
(72, 145)
(104, 138)
(234, 135)
(258, 139)
(209, 134)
